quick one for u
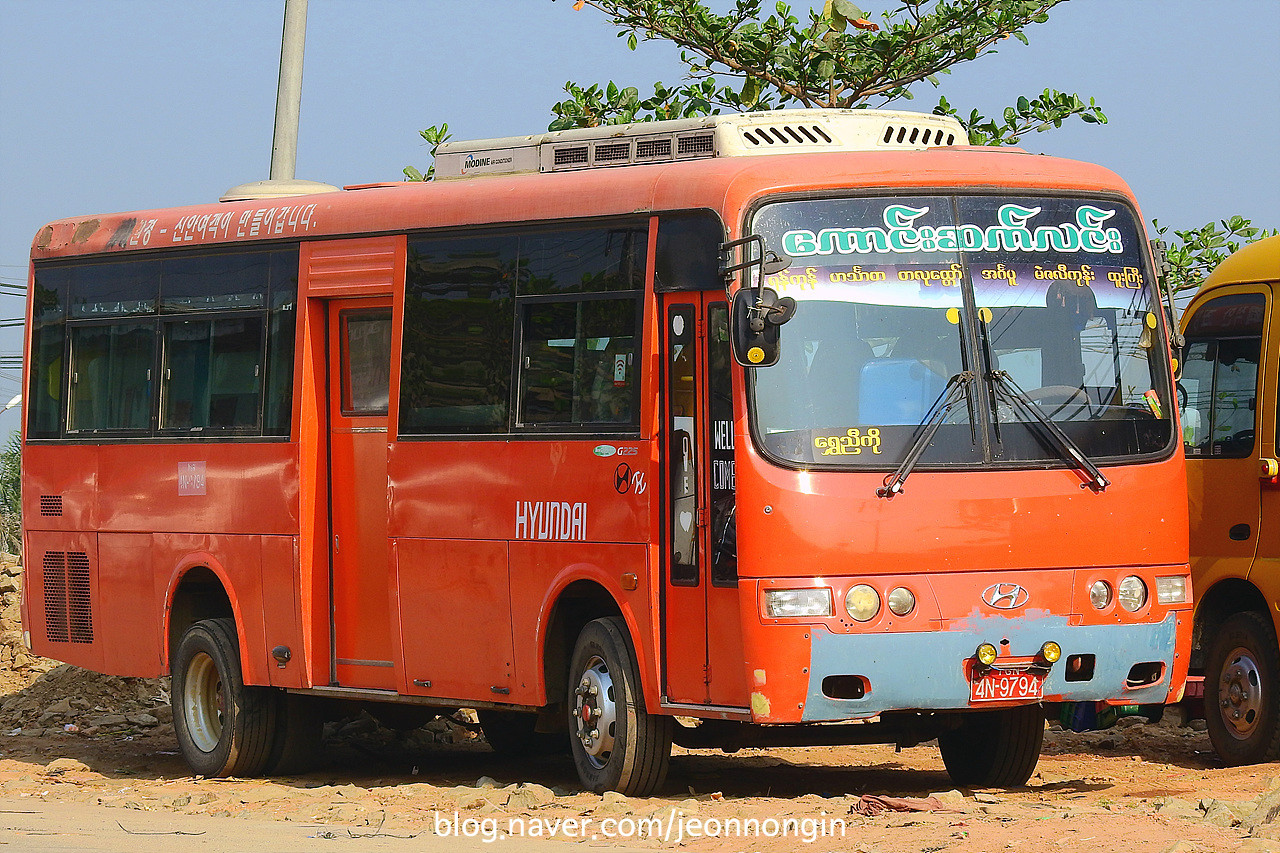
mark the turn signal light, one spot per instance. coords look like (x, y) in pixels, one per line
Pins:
(1050, 652)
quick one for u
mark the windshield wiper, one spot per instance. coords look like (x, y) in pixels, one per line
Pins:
(956, 390)
(1007, 389)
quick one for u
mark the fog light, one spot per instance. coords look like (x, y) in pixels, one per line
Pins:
(1132, 593)
(862, 602)
(784, 603)
(1171, 590)
(1050, 652)
(987, 654)
(1100, 594)
(901, 601)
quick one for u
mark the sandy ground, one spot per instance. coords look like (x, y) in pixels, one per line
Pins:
(1134, 788)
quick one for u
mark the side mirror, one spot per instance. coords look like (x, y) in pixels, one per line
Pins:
(757, 314)
(757, 311)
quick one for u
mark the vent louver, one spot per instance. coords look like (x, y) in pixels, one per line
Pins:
(702, 145)
(579, 155)
(653, 149)
(614, 152)
(914, 137)
(68, 597)
(51, 506)
(787, 134)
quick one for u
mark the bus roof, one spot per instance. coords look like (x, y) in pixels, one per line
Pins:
(1258, 261)
(726, 184)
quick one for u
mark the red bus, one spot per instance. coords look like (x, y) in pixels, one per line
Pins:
(489, 442)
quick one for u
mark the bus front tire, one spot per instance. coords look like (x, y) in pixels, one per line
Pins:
(223, 727)
(994, 749)
(1242, 705)
(617, 744)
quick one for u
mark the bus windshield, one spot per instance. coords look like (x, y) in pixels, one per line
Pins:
(1044, 300)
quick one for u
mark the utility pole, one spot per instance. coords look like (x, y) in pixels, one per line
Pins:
(284, 142)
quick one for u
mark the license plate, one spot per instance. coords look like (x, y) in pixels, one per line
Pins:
(1004, 685)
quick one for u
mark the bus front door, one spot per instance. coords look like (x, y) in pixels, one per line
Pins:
(702, 636)
(1222, 396)
(359, 382)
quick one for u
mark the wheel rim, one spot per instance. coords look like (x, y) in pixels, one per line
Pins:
(1240, 694)
(203, 702)
(595, 712)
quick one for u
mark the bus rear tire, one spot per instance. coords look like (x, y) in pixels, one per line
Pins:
(994, 749)
(1241, 702)
(223, 727)
(617, 744)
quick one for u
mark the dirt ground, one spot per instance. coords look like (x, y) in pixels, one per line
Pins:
(76, 737)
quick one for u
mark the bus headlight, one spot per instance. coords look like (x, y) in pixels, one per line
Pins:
(901, 601)
(784, 603)
(1100, 594)
(862, 603)
(1132, 593)
(1171, 590)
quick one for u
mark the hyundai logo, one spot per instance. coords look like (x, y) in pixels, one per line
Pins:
(1005, 595)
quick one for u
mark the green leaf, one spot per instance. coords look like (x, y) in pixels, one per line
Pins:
(849, 10)
(836, 21)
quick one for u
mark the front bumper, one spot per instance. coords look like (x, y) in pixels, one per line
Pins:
(927, 670)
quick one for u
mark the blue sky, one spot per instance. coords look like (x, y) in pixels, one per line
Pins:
(112, 105)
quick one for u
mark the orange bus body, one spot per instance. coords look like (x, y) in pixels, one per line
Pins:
(498, 549)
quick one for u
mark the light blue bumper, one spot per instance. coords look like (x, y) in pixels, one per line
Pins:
(925, 670)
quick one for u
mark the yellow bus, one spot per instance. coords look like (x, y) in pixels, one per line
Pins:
(1228, 396)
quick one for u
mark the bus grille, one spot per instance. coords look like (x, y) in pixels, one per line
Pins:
(68, 608)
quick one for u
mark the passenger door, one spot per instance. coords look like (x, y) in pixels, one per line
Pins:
(1227, 429)
(703, 656)
(359, 387)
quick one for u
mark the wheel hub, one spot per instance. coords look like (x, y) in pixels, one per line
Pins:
(204, 702)
(1240, 694)
(595, 712)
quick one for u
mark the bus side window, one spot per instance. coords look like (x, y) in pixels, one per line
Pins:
(366, 361)
(111, 377)
(577, 362)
